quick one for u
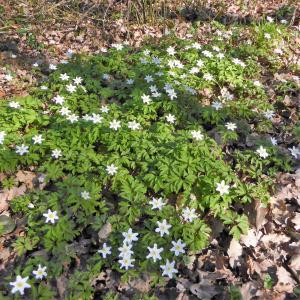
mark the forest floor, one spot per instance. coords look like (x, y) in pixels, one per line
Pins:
(44, 33)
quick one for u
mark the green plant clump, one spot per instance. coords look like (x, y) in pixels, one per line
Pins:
(122, 144)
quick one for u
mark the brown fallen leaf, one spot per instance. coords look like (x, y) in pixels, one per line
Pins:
(297, 178)
(211, 276)
(253, 266)
(4, 255)
(113, 279)
(141, 284)
(183, 284)
(285, 281)
(2, 93)
(104, 232)
(248, 290)
(284, 276)
(26, 177)
(261, 213)
(100, 277)
(183, 296)
(295, 263)
(8, 195)
(80, 247)
(287, 100)
(190, 261)
(205, 290)
(274, 238)
(234, 251)
(251, 238)
(296, 221)
(61, 284)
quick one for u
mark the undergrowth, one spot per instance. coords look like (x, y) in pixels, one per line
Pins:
(147, 144)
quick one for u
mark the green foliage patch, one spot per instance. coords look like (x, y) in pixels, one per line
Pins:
(125, 140)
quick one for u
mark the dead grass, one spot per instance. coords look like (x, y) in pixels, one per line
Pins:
(132, 12)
